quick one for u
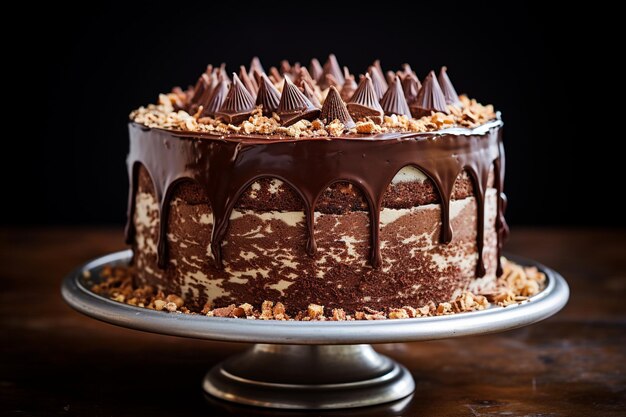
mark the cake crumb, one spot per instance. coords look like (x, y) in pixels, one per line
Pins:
(398, 313)
(315, 311)
(338, 314)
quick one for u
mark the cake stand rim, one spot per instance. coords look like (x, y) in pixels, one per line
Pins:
(495, 319)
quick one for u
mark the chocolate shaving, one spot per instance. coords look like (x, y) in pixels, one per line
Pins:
(448, 89)
(335, 108)
(364, 102)
(268, 96)
(394, 102)
(294, 105)
(430, 98)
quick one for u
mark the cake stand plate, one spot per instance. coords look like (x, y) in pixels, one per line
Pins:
(309, 365)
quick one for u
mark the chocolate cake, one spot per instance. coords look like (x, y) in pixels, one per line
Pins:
(306, 186)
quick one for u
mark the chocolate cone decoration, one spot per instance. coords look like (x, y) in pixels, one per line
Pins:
(348, 88)
(202, 85)
(238, 105)
(310, 94)
(406, 69)
(376, 65)
(394, 102)
(334, 108)
(430, 98)
(294, 105)
(364, 102)
(222, 73)
(255, 64)
(303, 75)
(410, 86)
(378, 82)
(390, 76)
(268, 96)
(448, 89)
(331, 67)
(216, 99)
(285, 67)
(206, 96)
(316, 70)
(275, 75)
(249, 83)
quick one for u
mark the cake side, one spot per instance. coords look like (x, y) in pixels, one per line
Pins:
(264, 251)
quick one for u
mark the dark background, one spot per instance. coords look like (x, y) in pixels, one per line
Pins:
(89, 73)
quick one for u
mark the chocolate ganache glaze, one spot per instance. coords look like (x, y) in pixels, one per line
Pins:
(224, 164)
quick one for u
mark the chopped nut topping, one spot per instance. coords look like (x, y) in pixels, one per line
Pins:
(165, 115)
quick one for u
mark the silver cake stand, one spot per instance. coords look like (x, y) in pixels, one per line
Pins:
(309, 365)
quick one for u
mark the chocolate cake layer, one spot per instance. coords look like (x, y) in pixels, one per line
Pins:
(265, 248)
(264, 255)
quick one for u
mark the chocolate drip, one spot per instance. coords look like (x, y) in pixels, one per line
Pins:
(502, 228)
(226, 166)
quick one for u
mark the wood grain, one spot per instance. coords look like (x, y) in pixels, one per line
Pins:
(55, 362)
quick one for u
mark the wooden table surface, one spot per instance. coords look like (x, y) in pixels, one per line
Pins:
(55, 361)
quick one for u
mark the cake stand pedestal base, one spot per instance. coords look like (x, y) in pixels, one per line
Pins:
(309, 377)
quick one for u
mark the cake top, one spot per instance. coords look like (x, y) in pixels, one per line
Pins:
(318, 101)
